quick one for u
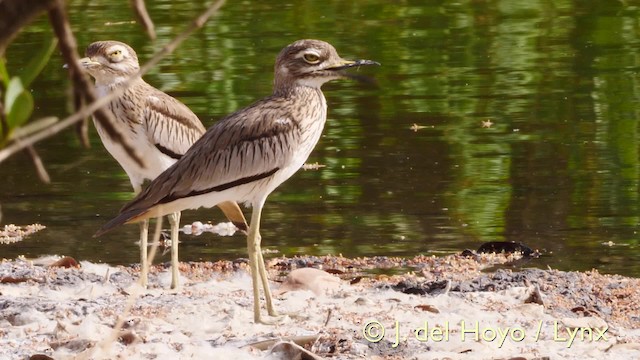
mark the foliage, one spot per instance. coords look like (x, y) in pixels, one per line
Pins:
(16, 97)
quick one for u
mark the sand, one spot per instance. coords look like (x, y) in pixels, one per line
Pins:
(428, 308)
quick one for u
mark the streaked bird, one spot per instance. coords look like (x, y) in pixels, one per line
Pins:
(158, 126)
(247, 154)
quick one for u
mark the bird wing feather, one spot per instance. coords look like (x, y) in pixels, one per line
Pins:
(171, 126)
(244, 145)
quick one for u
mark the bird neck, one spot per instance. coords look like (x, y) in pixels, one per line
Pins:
(293, 90)
(116, 82)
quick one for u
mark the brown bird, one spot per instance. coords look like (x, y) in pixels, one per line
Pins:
(247, 154)
(159, 127)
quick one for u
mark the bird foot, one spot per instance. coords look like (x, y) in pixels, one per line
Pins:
(277, 318)
(273, 319)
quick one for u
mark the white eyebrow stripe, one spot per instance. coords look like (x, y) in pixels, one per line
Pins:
(308, 51)
(113, 48)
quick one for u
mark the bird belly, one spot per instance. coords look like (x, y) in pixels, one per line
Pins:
(154, 161)
(253, 193)
(242, 193)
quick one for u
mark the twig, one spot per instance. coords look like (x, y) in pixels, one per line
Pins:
(33, 127)
(89, 109)
(299, 340)
(37, 162)
(14, 15)
(131, 299)
(54, 129)
(82, 127)
(143, 17)
(196, 24)
(68, 48)
(328, 318)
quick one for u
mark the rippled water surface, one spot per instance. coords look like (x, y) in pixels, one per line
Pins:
(490, 120)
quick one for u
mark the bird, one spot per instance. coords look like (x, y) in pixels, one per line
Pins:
(246, 155)
(157, 125)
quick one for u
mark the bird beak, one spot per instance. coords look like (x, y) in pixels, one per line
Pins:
(86, 62)
(345, 64)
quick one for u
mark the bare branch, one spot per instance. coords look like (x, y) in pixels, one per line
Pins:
(33, 127)
(82, 127)
(17, 146)
(143, 17)
(68, 48)
(37, 162)
(89, 109)
(196, 24)
(16, 14)
(82, 130)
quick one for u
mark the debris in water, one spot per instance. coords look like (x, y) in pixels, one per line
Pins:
(13, 233)
(222, 229)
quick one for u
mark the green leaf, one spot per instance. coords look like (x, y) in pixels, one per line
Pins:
(18, 103)
(4, 75)
(14, 88)
(21, 110)
(38, 61)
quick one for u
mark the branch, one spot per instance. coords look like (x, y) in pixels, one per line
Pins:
(92, 107)
(68, 48)
(82, 127)
(143, 17)
(37, 162)
(16, 14)
(196, 24)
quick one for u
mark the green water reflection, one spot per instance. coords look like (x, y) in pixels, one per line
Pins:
(558, 169)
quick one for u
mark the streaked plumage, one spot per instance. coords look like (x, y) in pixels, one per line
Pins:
(159, 127)
(247, 154)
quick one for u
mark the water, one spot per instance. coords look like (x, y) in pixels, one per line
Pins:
(557, 169)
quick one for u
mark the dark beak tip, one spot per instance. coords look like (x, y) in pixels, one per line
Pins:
(367, 62)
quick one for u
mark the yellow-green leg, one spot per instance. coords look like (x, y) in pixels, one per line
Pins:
(144, 239)
(265, 281)
(174, 220)
(256, 264)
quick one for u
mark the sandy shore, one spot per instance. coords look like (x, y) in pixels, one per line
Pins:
(430, 308)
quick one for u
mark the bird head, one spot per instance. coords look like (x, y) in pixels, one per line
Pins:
(110, 61)
(311, 63)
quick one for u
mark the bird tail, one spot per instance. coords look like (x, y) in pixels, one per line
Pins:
(128, 216)
(232, 211)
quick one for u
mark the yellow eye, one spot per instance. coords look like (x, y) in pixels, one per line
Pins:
(311, 58)
(116, 56)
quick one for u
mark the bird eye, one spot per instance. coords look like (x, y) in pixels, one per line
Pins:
(116, 56)
(311, 58)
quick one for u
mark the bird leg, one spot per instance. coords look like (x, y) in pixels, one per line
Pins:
(256, 264)
(174, 220)
(265, 281)
(251, 249)
(144, 266)
(233, 213)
